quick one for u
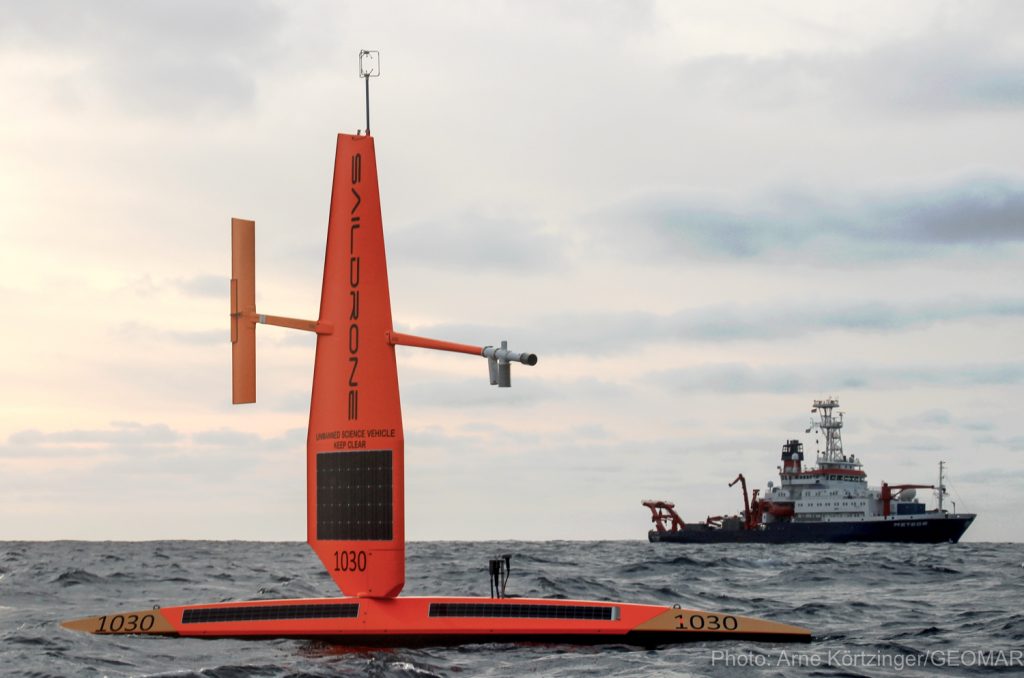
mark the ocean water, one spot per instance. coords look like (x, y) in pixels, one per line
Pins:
(875, 610)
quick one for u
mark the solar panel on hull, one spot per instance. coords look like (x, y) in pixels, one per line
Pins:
(204, 615)
(353, 496)
(519, 611)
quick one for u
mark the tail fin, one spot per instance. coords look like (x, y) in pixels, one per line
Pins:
(356, 455)
(243, 311)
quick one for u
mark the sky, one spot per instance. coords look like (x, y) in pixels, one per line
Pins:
(701, 216)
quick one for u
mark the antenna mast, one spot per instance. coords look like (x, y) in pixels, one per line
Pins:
(369, 67)
(831, 426)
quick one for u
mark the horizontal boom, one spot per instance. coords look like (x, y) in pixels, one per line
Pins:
(499, 359)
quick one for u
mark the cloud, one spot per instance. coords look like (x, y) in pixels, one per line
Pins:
(245, 440)
(1013, 443)
(150, 441)
(212, 286)
(949, 68)
(420, 390)
(935, 74)
(475, 242)
(424, 389)
(225, 437)
(133, 332)
(666, 226)
(155, 58)
(928, 418)
(127, 434)
(988, 476)
(976, 212)
(737, 378)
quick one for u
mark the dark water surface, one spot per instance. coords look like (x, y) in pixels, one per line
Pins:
(876, 610)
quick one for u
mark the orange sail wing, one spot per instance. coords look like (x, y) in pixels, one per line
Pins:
(355, 450)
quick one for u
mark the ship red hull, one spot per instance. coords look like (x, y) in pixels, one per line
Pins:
(920, 531)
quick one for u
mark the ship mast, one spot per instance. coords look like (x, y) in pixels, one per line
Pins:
(942, 485)
(830, 426)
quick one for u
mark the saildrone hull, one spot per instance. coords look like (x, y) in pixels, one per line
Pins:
(430, 621)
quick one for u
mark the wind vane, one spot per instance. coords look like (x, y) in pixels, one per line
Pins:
(369, 67)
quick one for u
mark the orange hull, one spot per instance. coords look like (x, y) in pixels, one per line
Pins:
(432, 620)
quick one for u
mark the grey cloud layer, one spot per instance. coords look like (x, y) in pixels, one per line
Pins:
(977, 212)
(666, 226)
(952, 67)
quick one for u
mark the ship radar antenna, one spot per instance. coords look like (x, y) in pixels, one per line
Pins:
(369, 67)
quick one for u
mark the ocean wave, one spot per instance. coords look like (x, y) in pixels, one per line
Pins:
(76, 576)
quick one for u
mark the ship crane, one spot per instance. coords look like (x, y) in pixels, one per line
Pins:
(662, 511)
(750, 518)
(743, 484)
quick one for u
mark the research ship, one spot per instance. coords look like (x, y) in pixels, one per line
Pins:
(831, 502)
